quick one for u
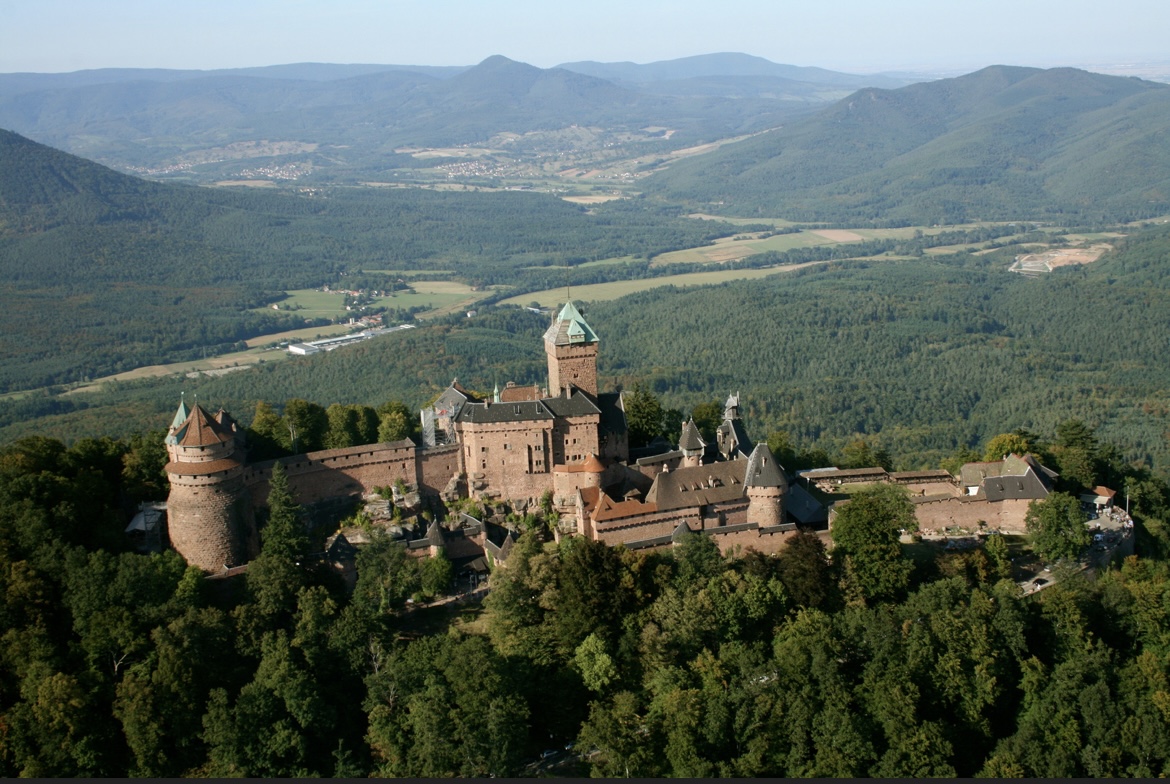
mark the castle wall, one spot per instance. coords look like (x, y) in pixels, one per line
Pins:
(436, 466)
(766, 542)
(575, 438)
(508, 459)
(936, 516)
(331, 474)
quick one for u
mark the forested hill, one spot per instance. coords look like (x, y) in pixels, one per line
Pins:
(104, 272)
(364, 118)
(1003, 143)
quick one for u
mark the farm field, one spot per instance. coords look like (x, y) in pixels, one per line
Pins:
(733, 249)
(438, 295)
(597, 292)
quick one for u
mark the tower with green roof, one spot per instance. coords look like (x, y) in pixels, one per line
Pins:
(571, 346)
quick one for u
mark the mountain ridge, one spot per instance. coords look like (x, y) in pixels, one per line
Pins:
(948, 151)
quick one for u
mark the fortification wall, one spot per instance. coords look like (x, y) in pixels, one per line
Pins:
(436, 466)
(322, 476)
(766, 542)
(649, 526)
(936, 516)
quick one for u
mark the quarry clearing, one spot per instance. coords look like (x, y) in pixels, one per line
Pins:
(1046, 261)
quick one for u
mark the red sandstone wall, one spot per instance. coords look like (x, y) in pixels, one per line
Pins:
(513, 458)
(437, 465)
(334, 473)
(738, 542)
(572, 365)
(209, 524)
(935, 516)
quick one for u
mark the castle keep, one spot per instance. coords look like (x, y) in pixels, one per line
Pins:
(568, 441)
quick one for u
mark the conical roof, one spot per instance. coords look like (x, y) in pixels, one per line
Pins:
(691, 440)
(593, 466)
(180, 417)
(570, 328)
(201, 429)
(763, 470)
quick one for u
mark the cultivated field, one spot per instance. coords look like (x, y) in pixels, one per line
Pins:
(597, 292)
(438, 295)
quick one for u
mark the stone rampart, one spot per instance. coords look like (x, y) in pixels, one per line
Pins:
(936, 515)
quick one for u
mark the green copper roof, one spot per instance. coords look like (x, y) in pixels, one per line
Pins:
(176, 423)
(570, 327)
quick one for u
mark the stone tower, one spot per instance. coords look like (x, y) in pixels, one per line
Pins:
(571, 346)
(766, 487)
(209, 517)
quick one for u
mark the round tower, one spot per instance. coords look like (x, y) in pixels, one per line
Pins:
(209, 517)
(766, 487)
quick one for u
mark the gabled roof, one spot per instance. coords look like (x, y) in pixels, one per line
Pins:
(733, 439)
(763, 470)
(569, 328)
(698, 485)
(691, 440)
(1014, 477)
(577, 404)
(201, 429)
(608, 509)
(453, 398)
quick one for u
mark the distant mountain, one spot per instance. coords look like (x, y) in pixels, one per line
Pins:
(1001, 143)
(149, 120)
(16, 83)
(726, 64)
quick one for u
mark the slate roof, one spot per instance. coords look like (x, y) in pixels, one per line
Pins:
(691, 439)
(522, 411)
(180, 417)
(733, 439)
(613, 416)
(570, 328)
(577, 404)
(763, 470)
(698, 485)
(803, 507)
(1012, 478)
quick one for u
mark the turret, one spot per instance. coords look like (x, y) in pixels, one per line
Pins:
(571, 346)
(766, 487)
(691, 444)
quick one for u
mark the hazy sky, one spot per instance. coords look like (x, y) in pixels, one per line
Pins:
(853, 35)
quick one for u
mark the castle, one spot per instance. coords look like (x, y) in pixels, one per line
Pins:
(568, 443)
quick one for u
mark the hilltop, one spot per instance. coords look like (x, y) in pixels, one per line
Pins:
(1003, 143)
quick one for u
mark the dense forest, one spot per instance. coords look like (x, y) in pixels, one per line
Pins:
(105, 273)
(1003, 143)
(922, 358)
(675, 663)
